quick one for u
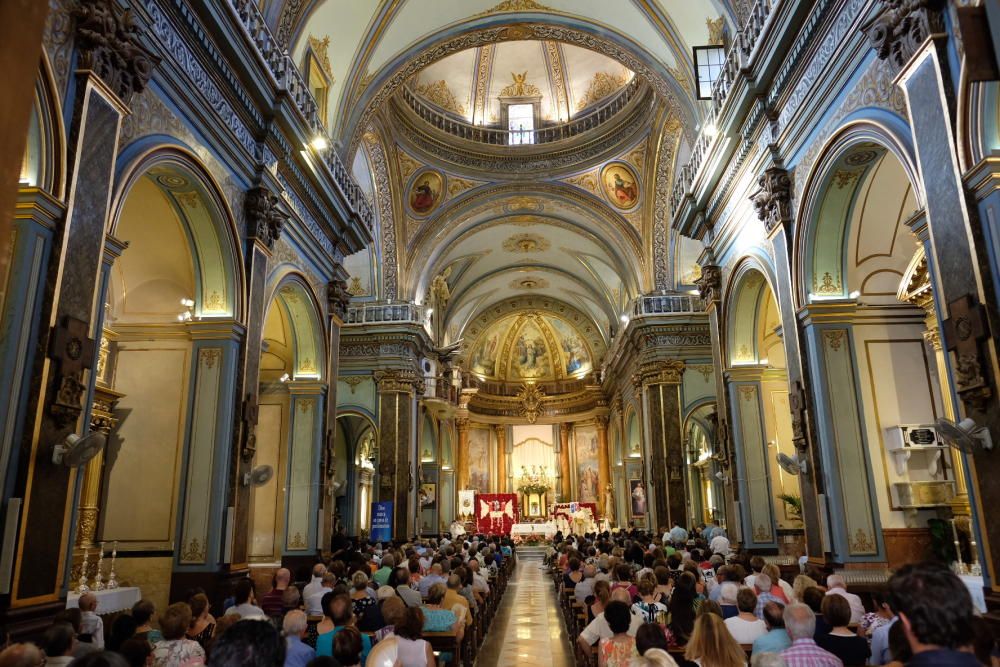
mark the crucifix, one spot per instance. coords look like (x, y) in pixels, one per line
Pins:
(963, 331)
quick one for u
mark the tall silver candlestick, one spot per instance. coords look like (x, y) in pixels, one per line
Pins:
(82, 586)
(99, 577)
(960, 567)
(112, 577)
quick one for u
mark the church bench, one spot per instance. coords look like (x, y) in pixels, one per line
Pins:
(446, 642)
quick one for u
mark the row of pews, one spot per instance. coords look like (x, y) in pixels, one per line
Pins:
(464, 652)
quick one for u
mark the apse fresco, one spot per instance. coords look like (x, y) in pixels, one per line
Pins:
(576, 359)
(530, 346)
(484, 357)
(479, 459)
(586, 464)
(530, 357)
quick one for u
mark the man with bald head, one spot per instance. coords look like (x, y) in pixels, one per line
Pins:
(273, 603)
(434, 577)
(21, 655)
(599, 629)
(316, 583)
(585, 587)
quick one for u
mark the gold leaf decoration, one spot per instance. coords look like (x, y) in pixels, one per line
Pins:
(438, 93)
(716, 30)
(587, 181)
(458, 185)
(407, 165)
(515, 6)
(529, 283)
(526, 243)
(321, 48)
(602, 85)
(520, 87)
(356, 288)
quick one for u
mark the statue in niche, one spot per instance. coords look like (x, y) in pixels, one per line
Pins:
(438, 296)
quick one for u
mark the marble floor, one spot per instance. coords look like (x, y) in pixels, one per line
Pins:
(528, 628)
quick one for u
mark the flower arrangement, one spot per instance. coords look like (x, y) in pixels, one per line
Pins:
(533, 487)
(531, 539)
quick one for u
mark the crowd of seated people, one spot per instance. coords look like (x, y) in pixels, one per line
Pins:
(422, 603)
(625, 592)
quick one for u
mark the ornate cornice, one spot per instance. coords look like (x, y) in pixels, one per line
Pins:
(398, 380)
(667, 371)
(264, 218)
(903, 26)
(109, 45)
(773, 198)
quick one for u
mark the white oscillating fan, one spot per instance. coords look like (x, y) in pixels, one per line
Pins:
(965, 435)
(793, 465)
(76, 450)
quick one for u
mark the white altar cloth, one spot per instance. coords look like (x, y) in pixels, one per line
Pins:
(975, 586)
(109, 601)
(547, 529)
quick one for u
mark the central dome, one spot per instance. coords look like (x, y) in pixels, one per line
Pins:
(566, 80)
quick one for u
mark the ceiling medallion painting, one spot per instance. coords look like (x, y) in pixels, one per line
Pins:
(425, 192)
(621, 185)
(529, 283)
(526, 243)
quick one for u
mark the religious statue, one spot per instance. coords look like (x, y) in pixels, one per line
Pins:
(438, 296)
(609, 504)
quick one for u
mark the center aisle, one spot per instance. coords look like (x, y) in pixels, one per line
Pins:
(528, 629)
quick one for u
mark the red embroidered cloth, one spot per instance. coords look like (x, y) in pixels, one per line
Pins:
(496, 513)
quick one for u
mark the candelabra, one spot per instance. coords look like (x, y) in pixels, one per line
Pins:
(82, 587)
(112, 577)
(99, 577)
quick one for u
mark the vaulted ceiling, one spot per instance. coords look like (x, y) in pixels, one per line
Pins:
(543, 247)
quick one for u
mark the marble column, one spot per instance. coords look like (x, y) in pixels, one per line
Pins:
(502, 475)
(398, 445)
(915, 39)
(462, 454)
(662, 411)
(66, 348)
(566, 479)
(603, 463)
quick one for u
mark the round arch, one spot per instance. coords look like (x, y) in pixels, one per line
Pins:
(209, 225)
(44, 164)
(866, 159)
(750, 304)
(291, 293)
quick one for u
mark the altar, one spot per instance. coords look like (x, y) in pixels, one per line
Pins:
(546, 530)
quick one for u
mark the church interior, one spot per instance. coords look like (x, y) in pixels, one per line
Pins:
(284, 276)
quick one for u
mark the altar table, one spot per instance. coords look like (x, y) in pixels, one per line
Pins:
(109, 601)
(545, 529)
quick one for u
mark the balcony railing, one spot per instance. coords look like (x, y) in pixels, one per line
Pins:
(666, 304)
(385, 312)
(442, 388)
(501, 137)
(287, 78)
(738, 57)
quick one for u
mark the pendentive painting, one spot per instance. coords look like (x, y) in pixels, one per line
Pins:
(621, 186)
(425, 193)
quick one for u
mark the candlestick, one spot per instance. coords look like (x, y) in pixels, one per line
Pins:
(960, 567)
(99, 577)
(112, 577)
(82, 587)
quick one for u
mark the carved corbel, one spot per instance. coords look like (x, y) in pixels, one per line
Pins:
(264, 217)
(903, 26)
(109, 45)
(773, 198)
